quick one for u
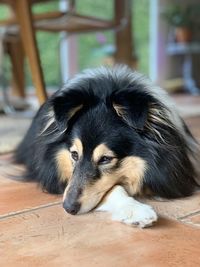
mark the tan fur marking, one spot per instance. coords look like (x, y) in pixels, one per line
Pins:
(132, 169)
(77, 146)
(51, 117)
(155, 116)
(130, 175)
(119, 110)
(51, 120)
(101, 150)
(64, 165)
(160, 117)
(73, 111)
(93, 193)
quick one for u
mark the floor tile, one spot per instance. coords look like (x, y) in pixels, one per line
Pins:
(50, 237)
(16, 196)
(35, 230)
(176, 208)
(186, 99)
(194, 126)
(193, 219)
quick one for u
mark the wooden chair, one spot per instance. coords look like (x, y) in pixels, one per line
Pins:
(56, 21)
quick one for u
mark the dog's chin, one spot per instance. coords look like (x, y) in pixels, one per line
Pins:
(91, 204)
(85, 209)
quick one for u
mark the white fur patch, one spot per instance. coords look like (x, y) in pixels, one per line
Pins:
(127, 210)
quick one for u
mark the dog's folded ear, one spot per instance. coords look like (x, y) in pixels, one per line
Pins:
(132, 106)
(65, 105)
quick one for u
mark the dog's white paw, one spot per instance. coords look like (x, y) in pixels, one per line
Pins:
(136, 214)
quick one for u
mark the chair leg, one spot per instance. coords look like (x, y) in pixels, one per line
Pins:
(16, 53)
(23, 12)
(123, 37)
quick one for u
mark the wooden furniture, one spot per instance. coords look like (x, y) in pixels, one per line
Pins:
(23, 17)
(187, 50)
(14, 47)
(69, 22)
(123, 37)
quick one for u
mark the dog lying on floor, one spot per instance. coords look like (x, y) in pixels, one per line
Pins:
(106, 136)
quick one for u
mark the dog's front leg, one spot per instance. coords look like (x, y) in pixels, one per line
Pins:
(126, 209)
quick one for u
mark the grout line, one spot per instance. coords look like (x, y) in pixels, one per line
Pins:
(190, 224)
(11, 214)
(188, 215)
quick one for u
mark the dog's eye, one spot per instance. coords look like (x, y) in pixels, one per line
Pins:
(105, 160)
(74, 155)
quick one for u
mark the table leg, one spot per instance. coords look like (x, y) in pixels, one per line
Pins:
(24, 16)
(189, 82)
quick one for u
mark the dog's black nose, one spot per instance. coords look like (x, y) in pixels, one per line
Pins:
(71, 208)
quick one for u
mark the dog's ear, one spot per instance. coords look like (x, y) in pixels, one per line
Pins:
(132, 106)
(65, 105)
(68, 103)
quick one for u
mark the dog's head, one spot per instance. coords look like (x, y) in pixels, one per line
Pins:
(101, 122)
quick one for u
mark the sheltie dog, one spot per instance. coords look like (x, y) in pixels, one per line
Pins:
(107, 136)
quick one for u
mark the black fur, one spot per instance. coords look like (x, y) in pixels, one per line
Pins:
(160, 143)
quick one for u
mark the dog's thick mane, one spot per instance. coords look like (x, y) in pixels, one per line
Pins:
(104, 81)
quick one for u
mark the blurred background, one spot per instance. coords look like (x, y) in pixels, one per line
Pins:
(45, 42)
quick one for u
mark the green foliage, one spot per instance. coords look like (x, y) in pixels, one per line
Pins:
(181, 16)
(87, 43)
(4, 11)
(141, 31)
(48, 44)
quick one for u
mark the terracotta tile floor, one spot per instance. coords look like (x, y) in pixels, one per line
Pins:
(35, 230)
